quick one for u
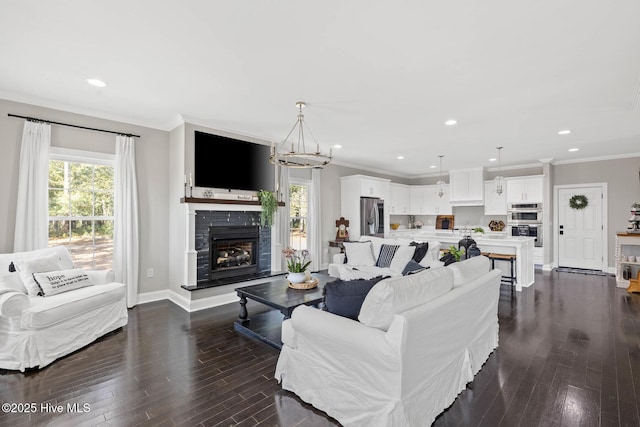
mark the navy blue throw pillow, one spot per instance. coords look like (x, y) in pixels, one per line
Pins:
(448, 259)
(421, 250)
(413, 267)
(345, 298)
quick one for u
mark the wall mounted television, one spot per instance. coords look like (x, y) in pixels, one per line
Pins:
(232, 164)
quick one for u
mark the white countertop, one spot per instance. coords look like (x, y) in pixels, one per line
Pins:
(489, 237)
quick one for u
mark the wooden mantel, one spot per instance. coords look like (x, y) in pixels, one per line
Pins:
(222, 201)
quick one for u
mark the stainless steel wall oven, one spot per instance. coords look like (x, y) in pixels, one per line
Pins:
(524, 213)
(525, 219)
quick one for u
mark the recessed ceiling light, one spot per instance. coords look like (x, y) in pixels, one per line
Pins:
(400, 157)
(337, 146)
(451, 122)
(432, 167)
(564, 132)
(573, 149)
(96, 82)
(493, 159)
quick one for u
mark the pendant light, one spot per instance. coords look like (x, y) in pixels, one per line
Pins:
(440, 183)
(292, 151)
(499, 180)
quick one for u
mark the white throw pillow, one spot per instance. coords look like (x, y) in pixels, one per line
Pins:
(469, 269)
(27, 267)
(359, 253)
(56, 282)
(401, 258)
(399, 294)
(376, 244)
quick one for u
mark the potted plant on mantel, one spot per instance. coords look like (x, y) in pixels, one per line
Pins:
(269, 207)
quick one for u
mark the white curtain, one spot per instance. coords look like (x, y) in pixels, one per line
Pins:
(125, 235)
(32, 207)
(283, 216)
(315, 221)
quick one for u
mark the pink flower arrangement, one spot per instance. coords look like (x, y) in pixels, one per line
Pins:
(296, 260)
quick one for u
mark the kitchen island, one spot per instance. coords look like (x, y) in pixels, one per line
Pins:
(521, 247)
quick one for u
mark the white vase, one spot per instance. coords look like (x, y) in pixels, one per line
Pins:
(296, 278)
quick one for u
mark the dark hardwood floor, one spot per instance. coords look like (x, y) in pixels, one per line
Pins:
(569, 354)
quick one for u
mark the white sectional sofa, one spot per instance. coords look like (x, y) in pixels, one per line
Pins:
(363, 256)
(35, 330)
(419, 339)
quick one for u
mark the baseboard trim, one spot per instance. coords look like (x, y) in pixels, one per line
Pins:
(185, 303)
(153, 296)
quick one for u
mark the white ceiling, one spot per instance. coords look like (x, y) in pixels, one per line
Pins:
(379, 78)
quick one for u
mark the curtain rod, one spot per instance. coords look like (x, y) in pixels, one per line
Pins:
(33, 119)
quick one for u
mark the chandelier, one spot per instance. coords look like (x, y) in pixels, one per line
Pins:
(292, 151)
(440, 183)
(499, 180)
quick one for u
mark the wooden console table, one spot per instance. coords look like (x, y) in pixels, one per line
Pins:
(336, 244)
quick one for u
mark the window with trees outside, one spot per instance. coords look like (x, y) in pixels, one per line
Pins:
(298, 211)
(81, 208)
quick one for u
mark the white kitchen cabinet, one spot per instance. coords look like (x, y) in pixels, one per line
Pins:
(370, 187)
(432, 204)
(351, 189)
(494, 203)
(525, 189)
(399, 199)
(416, 196)
(467, 187)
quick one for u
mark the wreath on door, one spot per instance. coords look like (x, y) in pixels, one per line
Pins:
(578, 201)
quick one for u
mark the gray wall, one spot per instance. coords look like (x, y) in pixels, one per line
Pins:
(151, 161)
(623, 189)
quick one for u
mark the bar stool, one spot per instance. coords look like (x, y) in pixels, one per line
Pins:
(511, 279)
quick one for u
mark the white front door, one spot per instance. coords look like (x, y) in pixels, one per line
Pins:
(580, 231)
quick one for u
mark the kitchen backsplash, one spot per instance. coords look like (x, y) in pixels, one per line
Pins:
(471, 216)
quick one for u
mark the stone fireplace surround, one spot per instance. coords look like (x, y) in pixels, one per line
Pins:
(199, 218)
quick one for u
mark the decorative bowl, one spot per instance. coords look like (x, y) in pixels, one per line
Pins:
(394, 226)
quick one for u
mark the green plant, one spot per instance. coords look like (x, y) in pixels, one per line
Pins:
(457, 253)
(269, 207)
(579, 201)
(296, 260)
(478, 230)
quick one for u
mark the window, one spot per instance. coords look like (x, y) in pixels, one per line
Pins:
(81, 206)
(298, 211)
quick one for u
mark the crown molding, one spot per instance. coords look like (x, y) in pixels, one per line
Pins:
(596, 159)
(514, 167)
(67, 108)
(195, 121)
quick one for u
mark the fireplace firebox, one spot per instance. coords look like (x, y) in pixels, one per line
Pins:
(233, 251)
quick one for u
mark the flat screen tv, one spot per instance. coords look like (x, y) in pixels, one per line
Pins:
(232, 164)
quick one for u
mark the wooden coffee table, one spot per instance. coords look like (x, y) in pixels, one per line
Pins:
(277, 294)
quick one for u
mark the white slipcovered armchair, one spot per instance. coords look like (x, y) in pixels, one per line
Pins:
(41, 322)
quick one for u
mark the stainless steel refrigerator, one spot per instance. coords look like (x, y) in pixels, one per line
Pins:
(371, 216)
